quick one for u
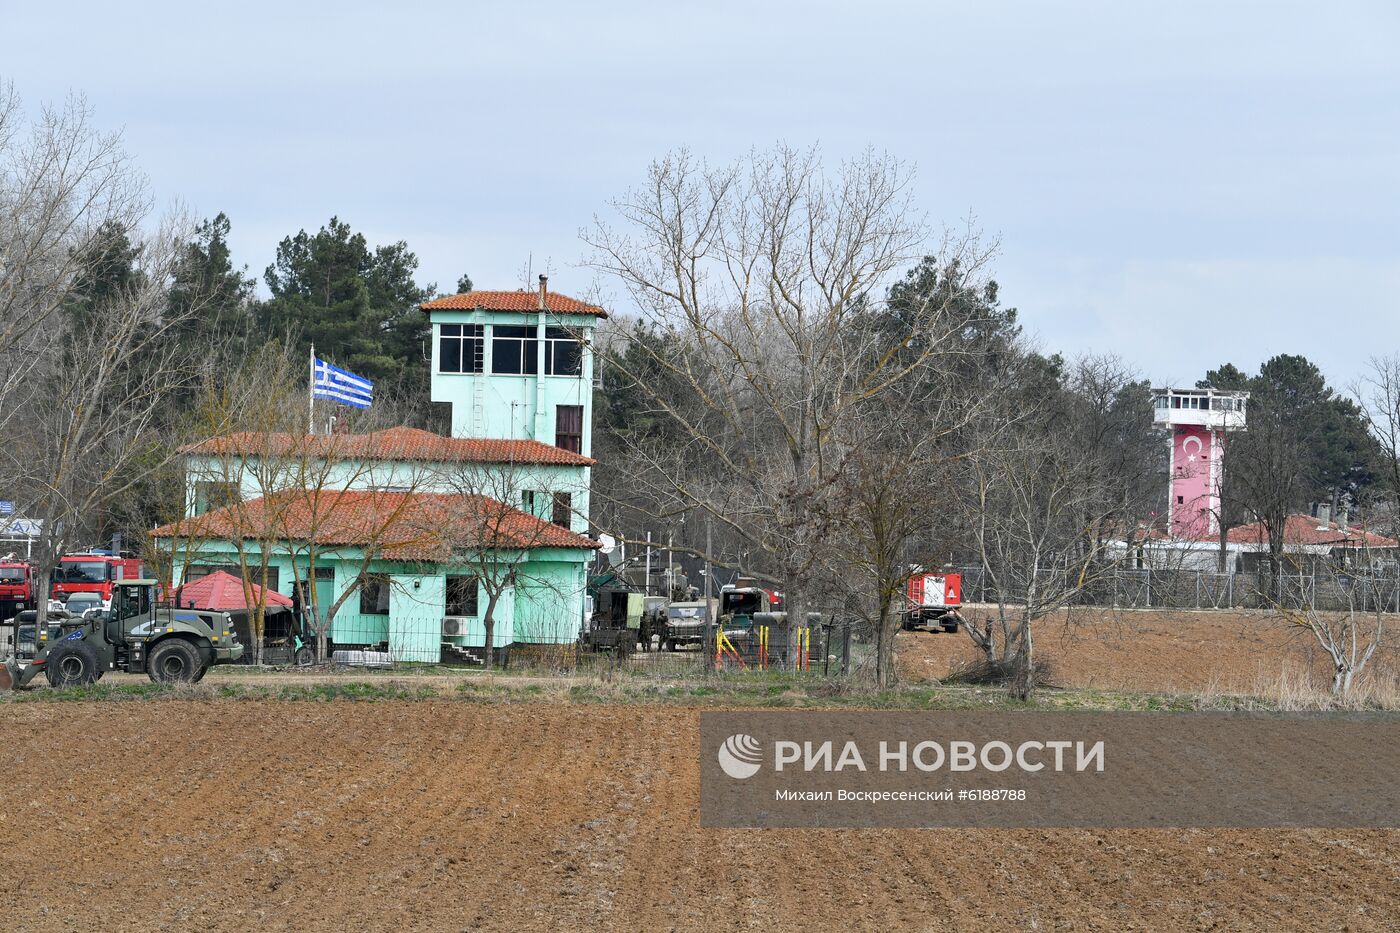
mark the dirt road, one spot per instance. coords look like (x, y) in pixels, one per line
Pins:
(445, 815)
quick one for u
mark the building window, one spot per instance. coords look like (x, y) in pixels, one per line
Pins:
(514, 350)
(563, 511)
(527, 501)
(374, 594)
(461, 596)
(210, 495)
(563, 352)
(568, 428)
(460, 348)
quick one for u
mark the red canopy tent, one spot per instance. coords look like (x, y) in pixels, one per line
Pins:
(223, 592)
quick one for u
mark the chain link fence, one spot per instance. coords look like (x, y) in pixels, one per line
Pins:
(829, 650)
(826, 650)
(1130, 588)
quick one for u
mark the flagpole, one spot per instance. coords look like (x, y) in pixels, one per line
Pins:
(310, 395)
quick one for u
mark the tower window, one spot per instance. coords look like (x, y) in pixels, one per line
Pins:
(568, 428)
(563, 353)
(460, 348)
(514, 350)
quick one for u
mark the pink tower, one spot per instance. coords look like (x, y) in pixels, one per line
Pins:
(1198, 420)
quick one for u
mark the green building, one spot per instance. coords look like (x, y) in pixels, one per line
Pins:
(401, 538)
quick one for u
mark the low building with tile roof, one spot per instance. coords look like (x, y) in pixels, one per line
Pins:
(1307, 540)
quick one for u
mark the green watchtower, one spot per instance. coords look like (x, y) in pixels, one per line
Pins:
(516, 365)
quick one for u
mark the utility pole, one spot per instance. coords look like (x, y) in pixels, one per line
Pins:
(670, 563)
(646, 581)
(708, 529)
(709, 616)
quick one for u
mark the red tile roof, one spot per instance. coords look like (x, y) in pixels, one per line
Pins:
(512, 301)
(393, 444)
(221, 590)
(1304, 531)
(1299, 530)
(399, 525)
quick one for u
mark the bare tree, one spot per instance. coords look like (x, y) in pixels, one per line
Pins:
(1040, 507)
(278, 489)
(87, 431)
(1379, 395)
(753, 274)
(1350, 637)
(62, 181)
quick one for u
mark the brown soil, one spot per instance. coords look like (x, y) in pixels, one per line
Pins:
(442, 815)
(1168, 650)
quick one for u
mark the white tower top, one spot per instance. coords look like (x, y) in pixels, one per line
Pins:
(1214, 409)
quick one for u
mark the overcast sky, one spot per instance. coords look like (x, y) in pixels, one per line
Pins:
(1179, 183)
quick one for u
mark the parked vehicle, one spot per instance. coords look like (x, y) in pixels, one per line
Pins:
(933, 599)
(16, 587)
(92, 572)
(17, 634)
(738, 603)
(686, 622)
(80, 603)
(168, 645)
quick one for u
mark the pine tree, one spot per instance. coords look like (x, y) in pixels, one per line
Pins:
(358, 306)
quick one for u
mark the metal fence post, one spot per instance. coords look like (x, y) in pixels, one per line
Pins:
(708, 655)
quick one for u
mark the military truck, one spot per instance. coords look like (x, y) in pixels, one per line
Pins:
(136, 636)
(687, 622)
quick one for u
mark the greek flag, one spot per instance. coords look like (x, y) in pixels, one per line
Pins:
(341, 386)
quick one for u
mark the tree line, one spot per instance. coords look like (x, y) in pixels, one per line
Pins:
(117, 325)
(803, 366)
(836, 424)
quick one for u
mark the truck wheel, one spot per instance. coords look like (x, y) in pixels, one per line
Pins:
(304, 657)
(71, 664)
(174, 661)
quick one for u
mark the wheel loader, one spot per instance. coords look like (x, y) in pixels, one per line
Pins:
(136, 636)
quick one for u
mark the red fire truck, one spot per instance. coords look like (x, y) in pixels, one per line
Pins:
(933, 599)
(16, 588)
(93, 572)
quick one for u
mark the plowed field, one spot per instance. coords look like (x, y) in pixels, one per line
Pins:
(445, 815)
(1169, 650)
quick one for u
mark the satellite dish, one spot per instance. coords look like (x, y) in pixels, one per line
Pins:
(608, 542)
